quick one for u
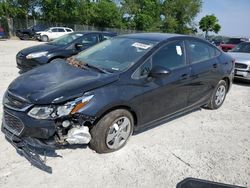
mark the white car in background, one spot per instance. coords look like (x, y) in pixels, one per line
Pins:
(52, 33)
(241, 54)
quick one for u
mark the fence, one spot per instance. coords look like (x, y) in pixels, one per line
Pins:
(12, 24)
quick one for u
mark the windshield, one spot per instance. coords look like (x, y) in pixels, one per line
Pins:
(115, 54)
(66, 39)
(243, 48)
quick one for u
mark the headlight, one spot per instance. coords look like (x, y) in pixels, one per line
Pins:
(36, 55)
(41, 112)
(48, 112)
(74, 106)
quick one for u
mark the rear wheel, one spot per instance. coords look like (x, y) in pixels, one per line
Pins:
(112, 132)
(45, 38)
(218, 96)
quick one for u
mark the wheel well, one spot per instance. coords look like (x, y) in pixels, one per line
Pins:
(119, 107)
(227, 80)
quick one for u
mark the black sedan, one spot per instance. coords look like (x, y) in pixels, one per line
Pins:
(112, 89)
(62, 47)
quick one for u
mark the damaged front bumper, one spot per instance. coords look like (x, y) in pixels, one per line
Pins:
(42, 137)
(32, 149)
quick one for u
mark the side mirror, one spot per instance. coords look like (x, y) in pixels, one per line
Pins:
(159, 71)
(78, 45)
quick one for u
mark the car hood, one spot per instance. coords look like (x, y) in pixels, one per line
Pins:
(57, 82)
(241, 57)
(39, 48)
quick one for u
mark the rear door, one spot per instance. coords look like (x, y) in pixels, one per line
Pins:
(204, 70)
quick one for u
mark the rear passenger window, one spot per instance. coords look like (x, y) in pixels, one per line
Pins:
(68, 30)
(199, 51)
(170, 56)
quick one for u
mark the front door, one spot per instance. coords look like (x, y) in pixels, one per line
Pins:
(166, 95)
(61, 32)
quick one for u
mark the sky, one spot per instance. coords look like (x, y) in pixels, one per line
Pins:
(233, 16)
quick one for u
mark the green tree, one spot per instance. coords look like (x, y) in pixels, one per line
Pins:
(141, 15)
(104, 13)
(179, 15)
(59, 10)
(209, 23)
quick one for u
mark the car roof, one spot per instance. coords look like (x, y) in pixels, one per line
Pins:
(152, 36)
(60, 28)
(88, 32)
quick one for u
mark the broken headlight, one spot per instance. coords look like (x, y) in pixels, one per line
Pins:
(50, 112)
(43, 112)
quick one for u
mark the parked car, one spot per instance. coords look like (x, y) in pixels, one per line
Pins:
(52, 33)
(241, 53)
(112, 89)
(62, 47)
(231, 43)
(29, 33)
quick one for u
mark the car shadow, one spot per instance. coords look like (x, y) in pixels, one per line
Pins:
(242, 82)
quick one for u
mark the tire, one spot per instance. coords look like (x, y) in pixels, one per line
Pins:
(25, 37)
(45, 38)
(112, 131)
(218, 95)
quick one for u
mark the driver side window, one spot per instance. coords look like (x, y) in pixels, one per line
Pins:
(170, 56)
(90, 39)
(53, 30)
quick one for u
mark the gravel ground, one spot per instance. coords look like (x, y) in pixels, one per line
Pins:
(211, 145)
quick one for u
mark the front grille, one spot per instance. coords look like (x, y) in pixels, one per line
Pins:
(240, 66)
(12, 123)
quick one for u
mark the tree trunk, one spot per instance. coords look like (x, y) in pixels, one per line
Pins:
(206, 35)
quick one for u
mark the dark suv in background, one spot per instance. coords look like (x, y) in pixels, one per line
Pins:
(29, 33)
(62, 47)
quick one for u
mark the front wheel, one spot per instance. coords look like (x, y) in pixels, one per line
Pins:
(25, 37)
(112, 131)
(218, 96)
(45, 38)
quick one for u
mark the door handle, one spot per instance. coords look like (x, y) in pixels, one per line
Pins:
(215, 65)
